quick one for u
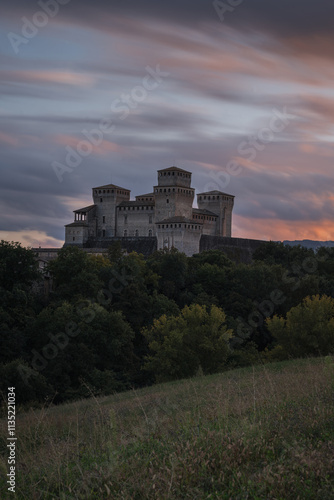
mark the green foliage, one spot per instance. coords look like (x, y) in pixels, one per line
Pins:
(113, 298)
(29, 384)
(272, 252)
(180, 345)
(76, 273)
(171, 266)
(308, 328)
(18, 266)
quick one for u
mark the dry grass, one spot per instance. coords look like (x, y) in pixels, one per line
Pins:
(258, 433)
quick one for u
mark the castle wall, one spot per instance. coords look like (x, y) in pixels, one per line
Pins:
(169, 203)
(135, 221)
(185, 238)
(142, 245)
(220, 204)
(237, 249)
(106, 201)
(174, 178)
(76, 233)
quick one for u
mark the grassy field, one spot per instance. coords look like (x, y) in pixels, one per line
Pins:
(258, 433)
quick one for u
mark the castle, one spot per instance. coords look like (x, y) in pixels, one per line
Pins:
(166, 214)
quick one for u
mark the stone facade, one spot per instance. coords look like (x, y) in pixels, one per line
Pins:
(166, 214)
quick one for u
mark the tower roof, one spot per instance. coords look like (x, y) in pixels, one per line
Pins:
(215, 193)
(111, 186)
(176, 169)
(85, 209)
(203, 211)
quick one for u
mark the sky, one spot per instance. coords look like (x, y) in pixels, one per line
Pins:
(239, 92)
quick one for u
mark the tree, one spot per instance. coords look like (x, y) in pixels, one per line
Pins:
(181, 345)
(171, 266)
(307, 330)
(18, 266)
(76, 273)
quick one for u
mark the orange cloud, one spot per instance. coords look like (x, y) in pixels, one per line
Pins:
(279, 230)
(62, 77)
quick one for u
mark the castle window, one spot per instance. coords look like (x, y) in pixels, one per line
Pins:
(150, 219)
(99, 191)
(164, 173)
(159, 226)
(125, 219)
(137, 233)
(160, 190)
(173, 190)
(173, 173)
(217, 197)
(104, 191)
(164, 190)
(73, 238)
(95, 191)
(167, 201)
(205, 197)
(104, 219)
(125, 233)
(169, 190)
(103, 233)
(150, 232)
(108, 191)
(179, 225)
(168, 173)
(101, 200)
(163, 226)
(112, 190)
(200, 197)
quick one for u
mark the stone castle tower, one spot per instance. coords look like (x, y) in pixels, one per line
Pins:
(166, 214)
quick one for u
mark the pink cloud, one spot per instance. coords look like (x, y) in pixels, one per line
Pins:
(8, 139)
(104, 148)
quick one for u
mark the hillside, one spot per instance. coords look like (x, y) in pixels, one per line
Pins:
(262, 432)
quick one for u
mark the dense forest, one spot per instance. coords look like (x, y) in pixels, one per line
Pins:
(118, 321)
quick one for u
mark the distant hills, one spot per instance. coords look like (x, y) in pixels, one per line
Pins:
(309, 243)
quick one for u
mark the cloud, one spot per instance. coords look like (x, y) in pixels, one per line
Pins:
(32, 238)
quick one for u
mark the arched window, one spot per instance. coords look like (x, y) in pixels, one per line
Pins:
(150, 232)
